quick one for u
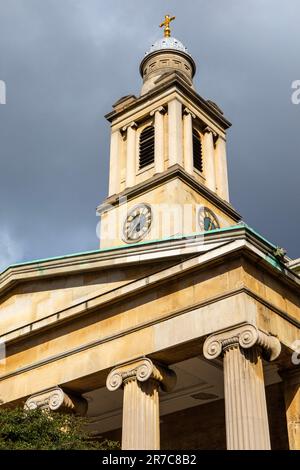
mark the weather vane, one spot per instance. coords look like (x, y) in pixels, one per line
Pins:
(166, 24)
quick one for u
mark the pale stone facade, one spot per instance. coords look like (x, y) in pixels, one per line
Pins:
(197, 321)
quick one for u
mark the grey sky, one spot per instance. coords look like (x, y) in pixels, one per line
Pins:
(66, 61)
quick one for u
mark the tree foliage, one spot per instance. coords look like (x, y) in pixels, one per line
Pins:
(43, 430)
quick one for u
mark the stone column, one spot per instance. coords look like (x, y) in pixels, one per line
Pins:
(242, 347)
(114, 168)
(188, 117)
(131, 154)
(141, 380)
(56, 399)
(159, 156)
(175, 132)
(209, 158)
(291, 382)
(221, 169)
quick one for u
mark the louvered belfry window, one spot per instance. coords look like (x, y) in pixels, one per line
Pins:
(146, 151)
(197, 151)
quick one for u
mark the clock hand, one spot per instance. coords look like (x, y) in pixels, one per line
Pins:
(134, 225)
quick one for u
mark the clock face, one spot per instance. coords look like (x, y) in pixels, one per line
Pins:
(137, 223)
(207, 219)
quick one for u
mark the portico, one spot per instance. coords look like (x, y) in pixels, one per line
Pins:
(180, 340)
(138, 333)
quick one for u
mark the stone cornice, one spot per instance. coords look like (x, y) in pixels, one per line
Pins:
(155, 251)
(175, 171)
(244, 336)
(294, 265)
(174, 80)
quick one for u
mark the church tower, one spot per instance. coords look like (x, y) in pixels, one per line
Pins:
(168, 167)
(183, 331)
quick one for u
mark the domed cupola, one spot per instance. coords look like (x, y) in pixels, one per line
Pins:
(166, 55)
(167, 43)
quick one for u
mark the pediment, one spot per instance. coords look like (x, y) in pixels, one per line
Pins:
(63, 292)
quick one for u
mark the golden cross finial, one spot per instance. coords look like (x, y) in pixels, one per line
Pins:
(166, 24)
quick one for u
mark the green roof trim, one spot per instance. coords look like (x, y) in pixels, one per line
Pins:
(274, 262)
(269, 258)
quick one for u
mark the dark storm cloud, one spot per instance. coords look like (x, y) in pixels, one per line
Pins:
(66, 61)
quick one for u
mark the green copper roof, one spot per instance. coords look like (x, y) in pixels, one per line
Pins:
(175, 237)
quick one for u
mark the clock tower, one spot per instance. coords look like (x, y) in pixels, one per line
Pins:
(168, 167)
(182, 331)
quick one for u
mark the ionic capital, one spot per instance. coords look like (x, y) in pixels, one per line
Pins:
(55, 399)
(245, 336)
(141, 370)
(132, 125)
(160, 110)
(187, 111)
(208, 129)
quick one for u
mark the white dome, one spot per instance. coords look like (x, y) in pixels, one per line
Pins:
(167, 43)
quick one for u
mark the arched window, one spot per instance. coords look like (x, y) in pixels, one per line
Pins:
(197, 151)
(146, 150)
